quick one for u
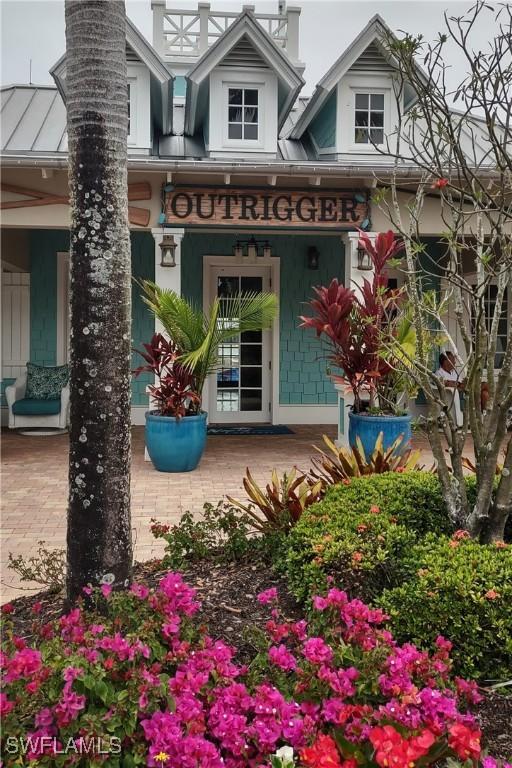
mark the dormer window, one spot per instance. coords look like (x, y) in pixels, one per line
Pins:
(243, 114)
(369, 118)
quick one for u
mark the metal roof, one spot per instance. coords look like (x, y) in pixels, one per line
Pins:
(33, 119)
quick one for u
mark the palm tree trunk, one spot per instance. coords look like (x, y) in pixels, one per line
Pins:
(99, 548)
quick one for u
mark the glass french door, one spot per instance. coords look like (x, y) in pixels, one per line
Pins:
(240, 391)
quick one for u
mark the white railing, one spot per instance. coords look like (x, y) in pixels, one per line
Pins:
(187, 34)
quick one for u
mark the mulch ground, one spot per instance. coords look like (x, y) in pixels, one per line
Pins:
(230, 609)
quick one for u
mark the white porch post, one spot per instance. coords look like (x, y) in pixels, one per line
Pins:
(353, 279)
(166, 277)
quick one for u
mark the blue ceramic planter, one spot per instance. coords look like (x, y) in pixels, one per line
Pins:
(367, 428)
(175, 445)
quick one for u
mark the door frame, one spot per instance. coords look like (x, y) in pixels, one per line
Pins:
(274, 262)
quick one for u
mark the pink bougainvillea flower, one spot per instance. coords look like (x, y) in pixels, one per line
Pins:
(440, 183)
(106, 590)
(7, 608)
(268, 596)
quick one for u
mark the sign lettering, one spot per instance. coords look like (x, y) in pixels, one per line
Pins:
(332, 209)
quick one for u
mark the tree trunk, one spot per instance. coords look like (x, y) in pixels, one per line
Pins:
(99, 548)
(502, 506)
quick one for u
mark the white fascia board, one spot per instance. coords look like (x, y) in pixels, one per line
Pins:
(58, 72)
(372, 33)
(275, 58)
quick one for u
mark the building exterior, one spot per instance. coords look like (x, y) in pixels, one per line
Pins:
(257, 187)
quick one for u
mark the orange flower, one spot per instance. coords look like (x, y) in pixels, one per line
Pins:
(491, 594)
(500, 545)
(374, 509)
(362, 528)
(357, 557)
(439, 184)
(346, 481)
(322, 754)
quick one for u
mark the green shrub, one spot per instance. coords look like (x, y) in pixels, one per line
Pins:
(462, 590)
(360, 549)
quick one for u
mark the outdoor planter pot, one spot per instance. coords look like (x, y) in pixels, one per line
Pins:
(175, 445)
(368, 427)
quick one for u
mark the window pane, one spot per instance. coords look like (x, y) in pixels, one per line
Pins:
(235, 95)
(250, 132)
(251, 114)
(377, 101)
(361, 136)
(251, 354)
(377, 119)
(227, 286)
(235, 131)
(251, 400)
(251, 336)
(377, 136)
(227, 401)
(251, 377)
(251, 284)
(250, 96)
(235, 114)
(361, 101)
(361, 118)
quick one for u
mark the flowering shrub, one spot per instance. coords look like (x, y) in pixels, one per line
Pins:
(138, 683)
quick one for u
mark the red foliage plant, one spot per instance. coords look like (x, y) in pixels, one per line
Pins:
(357, 328)
(174, 394)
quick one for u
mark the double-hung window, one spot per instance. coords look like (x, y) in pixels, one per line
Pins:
(243, 114)
(369, 118)
(490, 311)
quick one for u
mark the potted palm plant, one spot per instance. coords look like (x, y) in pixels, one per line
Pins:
(181, 362)
(371, 340)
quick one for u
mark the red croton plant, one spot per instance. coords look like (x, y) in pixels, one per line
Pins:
(360, 329)
(174, 394)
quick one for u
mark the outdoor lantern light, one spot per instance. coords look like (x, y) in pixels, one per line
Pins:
(168, 250)
(238, 251)
(313, 257)
(364, 262)
(267, 251)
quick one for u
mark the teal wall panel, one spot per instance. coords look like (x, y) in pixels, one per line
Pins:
(323, 127)
(44, 245)
(302, 366)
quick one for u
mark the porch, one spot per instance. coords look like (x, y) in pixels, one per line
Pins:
(34, 488)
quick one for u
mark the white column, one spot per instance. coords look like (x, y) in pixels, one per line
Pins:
(166, 277)
(292, 33)
(353, 279)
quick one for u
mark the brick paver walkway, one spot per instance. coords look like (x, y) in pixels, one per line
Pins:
(34, 486)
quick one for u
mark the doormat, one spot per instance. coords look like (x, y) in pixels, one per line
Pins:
(228, 429)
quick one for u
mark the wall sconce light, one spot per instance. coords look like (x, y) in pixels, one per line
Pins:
(252, 249)
(364, 262)
(238, 252)
(313, 257)
(168, 250)
(267, 251)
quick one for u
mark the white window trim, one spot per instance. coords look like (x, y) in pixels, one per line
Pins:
(265, 81)
(345, 119)
(132, 135)
(243, 143)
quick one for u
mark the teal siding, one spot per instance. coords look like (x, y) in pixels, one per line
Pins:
(323, 127)
(44, 245)
(302, 367)
(143, 322)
